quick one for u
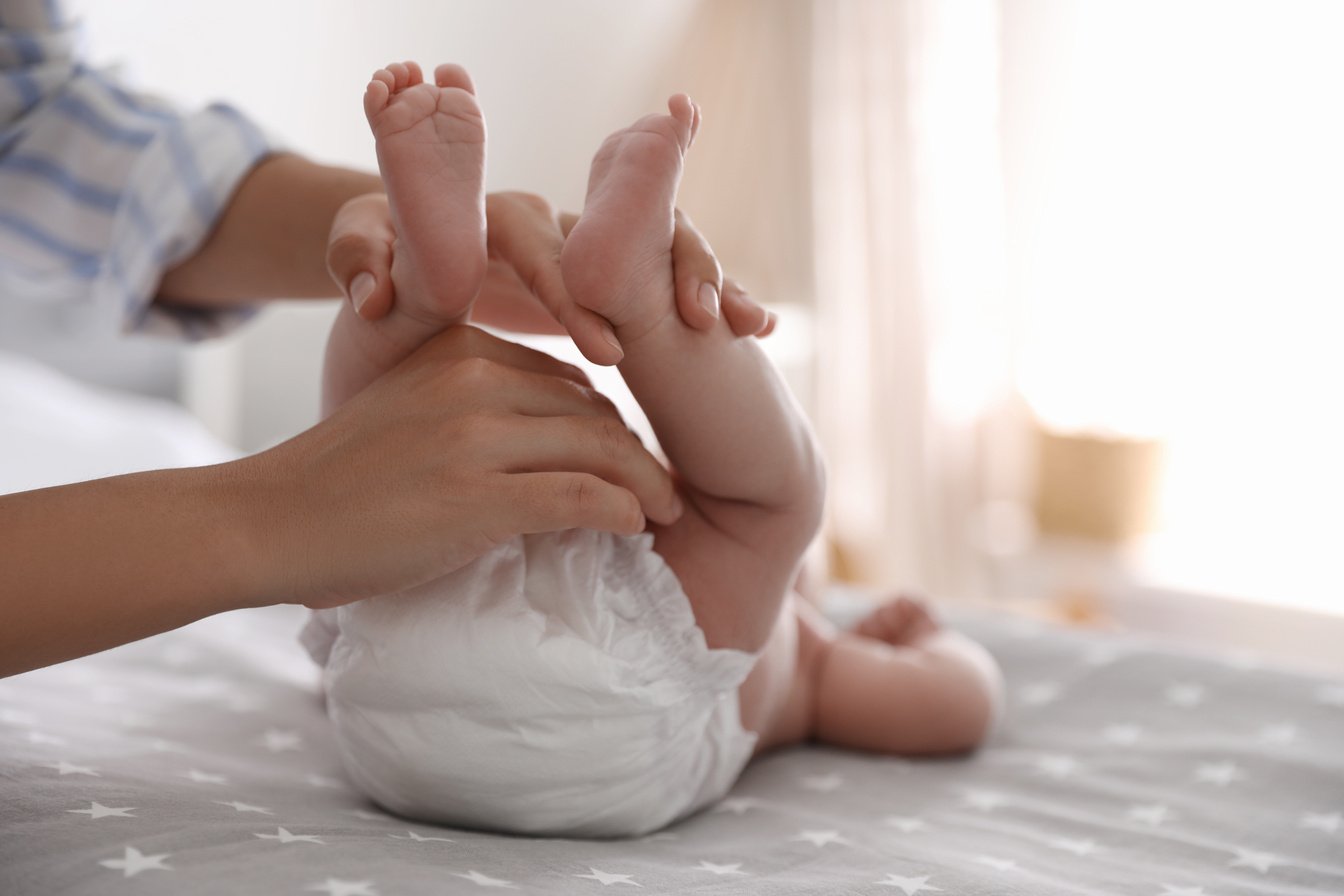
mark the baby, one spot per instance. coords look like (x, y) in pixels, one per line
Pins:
(587, 684)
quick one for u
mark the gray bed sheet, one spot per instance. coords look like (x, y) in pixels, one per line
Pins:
(199, 762)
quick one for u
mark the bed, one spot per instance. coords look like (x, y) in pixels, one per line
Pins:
(199, 762)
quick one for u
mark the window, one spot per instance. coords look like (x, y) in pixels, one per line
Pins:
(1175, 178)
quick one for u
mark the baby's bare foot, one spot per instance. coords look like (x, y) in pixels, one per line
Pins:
(900, 621)
(431, 152)
(617, 260)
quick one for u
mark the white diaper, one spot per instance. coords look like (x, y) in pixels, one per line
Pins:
(559, 685)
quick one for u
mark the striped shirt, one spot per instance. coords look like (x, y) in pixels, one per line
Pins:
(102, 189)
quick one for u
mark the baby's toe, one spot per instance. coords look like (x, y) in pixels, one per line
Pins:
(450, 75)
(684, 114)
(377, 94)
(401, 75)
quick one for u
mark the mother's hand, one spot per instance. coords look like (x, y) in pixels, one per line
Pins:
(468, 442)
(524, 291)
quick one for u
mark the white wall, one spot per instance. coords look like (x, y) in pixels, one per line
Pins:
(554, 79)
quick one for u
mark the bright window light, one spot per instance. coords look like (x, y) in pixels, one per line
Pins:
(1179, 249)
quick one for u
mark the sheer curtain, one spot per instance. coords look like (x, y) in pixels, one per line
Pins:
(914, 334)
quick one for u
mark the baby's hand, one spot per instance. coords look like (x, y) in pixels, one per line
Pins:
(902, 621)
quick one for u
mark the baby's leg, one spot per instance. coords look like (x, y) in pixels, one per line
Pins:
(430, 140)
(745, 457)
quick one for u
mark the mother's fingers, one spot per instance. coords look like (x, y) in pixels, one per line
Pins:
(698, 277)
(598, 446)
(592, 335)
(525, 232)
(508, 389)
(478, 350)
(744, 316)
(359, 254)
(545, 502)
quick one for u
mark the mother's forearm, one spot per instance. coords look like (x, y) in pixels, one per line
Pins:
(271, 241)
(101, 563)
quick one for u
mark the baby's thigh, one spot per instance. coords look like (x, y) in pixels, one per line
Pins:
(776, 698)
(737, 592)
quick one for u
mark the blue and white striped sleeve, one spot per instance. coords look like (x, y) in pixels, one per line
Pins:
(102, 189)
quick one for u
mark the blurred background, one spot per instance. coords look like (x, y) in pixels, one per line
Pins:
(1062, 283)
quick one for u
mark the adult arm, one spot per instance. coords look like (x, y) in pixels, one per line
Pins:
(271, 238)
(467, 443)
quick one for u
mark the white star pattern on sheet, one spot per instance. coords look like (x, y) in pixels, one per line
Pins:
(41, 737)
(334, 887)
(998, 864)
(245, 807)
(908, 885)
(283, 836)
(1056, 766)
(420, 838)
(316, 780)
(1039, 693)
(201, 777)
(69, 768)
(984, 800)
(1250, 858)
(159, 745)
(1320, 822)
(820, 838)
(276, 740)
(133, 862)
(482, 880)
(1283, 733)
(1077, 847)
(1220, 773)
(98, 810)
(1153, 815)
(722, 870)
(1185, 694)
(823, 783)
(738, 804)
(607, 879)
(1122, 734)
(1172, 758)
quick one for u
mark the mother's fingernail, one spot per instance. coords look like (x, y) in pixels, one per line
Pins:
(612, 341)
(709, 298)
(360, 290)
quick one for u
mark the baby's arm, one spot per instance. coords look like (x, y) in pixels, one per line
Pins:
(937, 694)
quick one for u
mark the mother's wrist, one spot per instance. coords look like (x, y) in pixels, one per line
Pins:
(250, 533)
